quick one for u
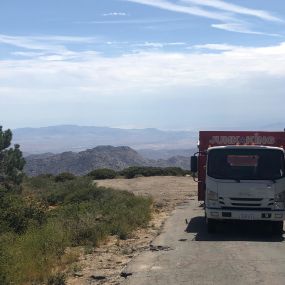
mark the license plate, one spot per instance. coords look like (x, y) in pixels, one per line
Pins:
(247, 216)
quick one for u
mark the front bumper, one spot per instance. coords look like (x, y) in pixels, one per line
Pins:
(232, 214)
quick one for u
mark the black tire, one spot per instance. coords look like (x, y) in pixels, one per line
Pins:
(211, 225)
(277, 228)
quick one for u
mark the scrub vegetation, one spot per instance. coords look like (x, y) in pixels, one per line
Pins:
(44, 219)
(137, 171)
(42, 224)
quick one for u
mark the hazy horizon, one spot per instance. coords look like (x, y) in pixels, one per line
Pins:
(273, 127)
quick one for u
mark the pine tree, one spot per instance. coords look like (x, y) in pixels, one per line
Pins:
(11, 159)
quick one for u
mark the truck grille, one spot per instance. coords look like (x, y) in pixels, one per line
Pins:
(248, 205)
(245, 203)
(246, 208)
(247, 199)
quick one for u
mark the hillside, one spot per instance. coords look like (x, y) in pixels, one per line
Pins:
(81, 163)
(57, 139)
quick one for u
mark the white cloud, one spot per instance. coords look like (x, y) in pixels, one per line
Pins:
(90, 72)
(222, 5)
(115, 14)
(147, 88)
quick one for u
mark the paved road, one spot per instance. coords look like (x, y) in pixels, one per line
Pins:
(238, 254)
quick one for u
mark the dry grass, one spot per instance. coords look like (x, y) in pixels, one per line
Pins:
(167, 191)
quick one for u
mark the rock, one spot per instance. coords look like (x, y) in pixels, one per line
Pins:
(159, 248)
(126, 274)
(98, 277)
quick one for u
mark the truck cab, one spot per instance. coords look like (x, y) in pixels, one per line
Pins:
(242, 182)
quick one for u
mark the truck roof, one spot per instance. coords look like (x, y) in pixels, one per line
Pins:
(245, 147)
(209, 139)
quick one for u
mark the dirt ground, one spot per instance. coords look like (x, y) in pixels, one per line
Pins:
(105, 264)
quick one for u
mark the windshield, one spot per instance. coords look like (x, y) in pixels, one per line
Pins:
(246, 164)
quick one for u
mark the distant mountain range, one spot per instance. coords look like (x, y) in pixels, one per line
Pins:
(62, 148)
(166, 153)
(274, 127)
(57, 139)
(81, 163)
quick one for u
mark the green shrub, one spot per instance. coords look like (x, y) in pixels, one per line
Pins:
(17, 214)
(175, 171)
(64, 176)
(11, 160)
(53, 193)
(136, 171)
(102, 212)
(57, 279)
(103, 173)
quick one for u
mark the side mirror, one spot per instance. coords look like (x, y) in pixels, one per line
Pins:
(194, 164)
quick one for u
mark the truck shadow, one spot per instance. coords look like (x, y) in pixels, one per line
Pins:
(233, 231)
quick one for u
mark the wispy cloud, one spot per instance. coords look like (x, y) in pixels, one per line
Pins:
(217, 47)
(241, 28)
(222, 5)
(115, 14)
(159, 44)
(59, 48)
(129, 21)
(50, 43)
(230, 15)
(196, 11)
(28, 43)
(46, 47)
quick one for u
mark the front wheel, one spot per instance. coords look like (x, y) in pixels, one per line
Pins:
(277, 228)
(211, 225)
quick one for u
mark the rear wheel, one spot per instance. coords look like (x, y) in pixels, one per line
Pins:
(211, 225)
(277, 228)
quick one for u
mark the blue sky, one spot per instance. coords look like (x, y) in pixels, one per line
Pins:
(170, 64)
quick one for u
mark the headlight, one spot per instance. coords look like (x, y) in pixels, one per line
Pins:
(280, 197)
(211, 195)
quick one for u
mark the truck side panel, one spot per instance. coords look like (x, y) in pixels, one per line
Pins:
(201, 177)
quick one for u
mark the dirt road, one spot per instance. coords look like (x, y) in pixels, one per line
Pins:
(186, 254)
